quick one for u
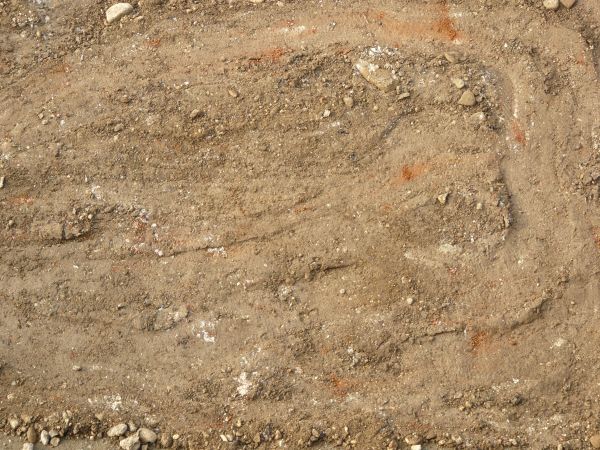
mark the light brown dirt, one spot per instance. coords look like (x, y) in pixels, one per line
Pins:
(274, 275)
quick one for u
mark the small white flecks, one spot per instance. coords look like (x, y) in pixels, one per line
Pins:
(244, 384)
(217, 251)
(205, 330)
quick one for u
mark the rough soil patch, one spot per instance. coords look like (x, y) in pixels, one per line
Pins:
(214, 225)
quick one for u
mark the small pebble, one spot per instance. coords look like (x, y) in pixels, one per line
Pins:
(452, 57)
(233, 93)
(76, 368)
(443, 198)
(1, 182)
(404, 95)
(119, 127)
(118, 430)
(568, 3)
(595, 441)
(194, 114)
(130, 443)
(118, 10)
(44, 437)
(32, 435)
(27, 446)
(458, 82)
(551, 4)
(326, 113)
(467, 99)
(410, 300)
(55, 441)
(147, 436)
(349, 102)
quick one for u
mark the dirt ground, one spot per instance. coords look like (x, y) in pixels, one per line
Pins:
(213, 224)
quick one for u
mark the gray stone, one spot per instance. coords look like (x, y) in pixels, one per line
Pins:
(467, 99)
(130, 443)
(147, 436)
(118, 430)
(118, 10)
(458, 82)
(55, 441)
(452, 57)
(378, 77)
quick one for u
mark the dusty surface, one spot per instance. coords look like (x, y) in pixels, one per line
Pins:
(194, 216)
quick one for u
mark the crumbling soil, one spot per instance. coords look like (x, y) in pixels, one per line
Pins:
(212, 223)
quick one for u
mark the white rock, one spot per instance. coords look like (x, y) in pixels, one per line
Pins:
(458, 82)
(14, 423)
(44, 437)
(381, 78)
(147, 436)
(551, 4)
(130, 443)
(118, 10)
(27, 446)
(118, 430)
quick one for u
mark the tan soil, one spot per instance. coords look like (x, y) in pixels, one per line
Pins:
(268, 262)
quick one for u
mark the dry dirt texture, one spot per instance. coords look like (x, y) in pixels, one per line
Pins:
(213, 224)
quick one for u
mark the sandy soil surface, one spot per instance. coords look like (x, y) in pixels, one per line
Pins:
(362, 224)
(8, 443)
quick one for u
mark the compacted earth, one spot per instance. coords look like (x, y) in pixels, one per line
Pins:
(285, 224)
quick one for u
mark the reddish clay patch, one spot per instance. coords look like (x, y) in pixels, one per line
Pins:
(518, 132)
(341, 386)
(596, 236)
(409, 173)
(271, 54)
(478, 339)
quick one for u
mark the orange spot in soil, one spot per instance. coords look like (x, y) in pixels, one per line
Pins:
(153, 43)
(20, 201)
(596, 236)
(272, 54)
(518, 132)
(441, 26)
(60, 68)
(580, 59)
(341, 386)
(446, 28)
(408, 173)
(478, 340)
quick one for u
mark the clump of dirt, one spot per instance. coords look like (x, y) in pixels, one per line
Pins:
(271, 224)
